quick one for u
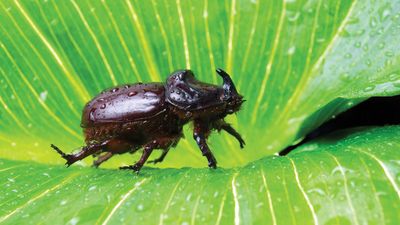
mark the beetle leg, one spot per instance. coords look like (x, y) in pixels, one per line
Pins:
(200, 136)
(228, 128)
(102, 158)
(161, 158)
(165, 143)
(85, 151)
(138, 165)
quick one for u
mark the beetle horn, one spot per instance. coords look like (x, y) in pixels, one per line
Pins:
(228, 85)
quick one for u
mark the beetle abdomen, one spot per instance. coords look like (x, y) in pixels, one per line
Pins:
(125, 103)
(139, 131)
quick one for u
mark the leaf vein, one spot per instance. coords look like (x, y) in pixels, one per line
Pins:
(123, 199)
(271, 207)
(314, 215)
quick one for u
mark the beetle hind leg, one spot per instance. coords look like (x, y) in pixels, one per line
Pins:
(102, 158)
(85, 151)
(65, 156)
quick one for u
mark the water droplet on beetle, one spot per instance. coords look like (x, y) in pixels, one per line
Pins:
(103, 106)
(132, 93)
(100, 99)
(114, 90)
(91, 114)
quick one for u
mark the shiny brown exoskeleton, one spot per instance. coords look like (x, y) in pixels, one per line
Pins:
(151, 116)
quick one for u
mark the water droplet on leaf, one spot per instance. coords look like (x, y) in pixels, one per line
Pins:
(394, 77)
(369, 88)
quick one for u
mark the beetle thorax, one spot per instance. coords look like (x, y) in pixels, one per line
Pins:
(210, 113)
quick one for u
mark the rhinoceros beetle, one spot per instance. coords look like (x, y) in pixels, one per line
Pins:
(151, 116)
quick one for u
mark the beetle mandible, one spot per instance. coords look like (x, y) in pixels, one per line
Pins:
(151, 116)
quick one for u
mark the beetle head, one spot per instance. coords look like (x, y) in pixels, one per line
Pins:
(232, 98)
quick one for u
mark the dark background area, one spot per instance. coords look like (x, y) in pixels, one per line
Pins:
(376, 111)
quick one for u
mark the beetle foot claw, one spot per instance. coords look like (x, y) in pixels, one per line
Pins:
(70, 158)
(154, 161)
(212, 165)
(58, 150)
(242, 144)
(125, 167)
(135, 168)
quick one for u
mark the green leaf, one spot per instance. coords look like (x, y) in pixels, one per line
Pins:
(296, 62)
(341, 179)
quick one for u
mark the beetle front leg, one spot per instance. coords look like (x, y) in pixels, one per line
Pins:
(228, 128)
(199, 134)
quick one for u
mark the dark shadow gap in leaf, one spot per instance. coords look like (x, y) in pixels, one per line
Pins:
(375, 111)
